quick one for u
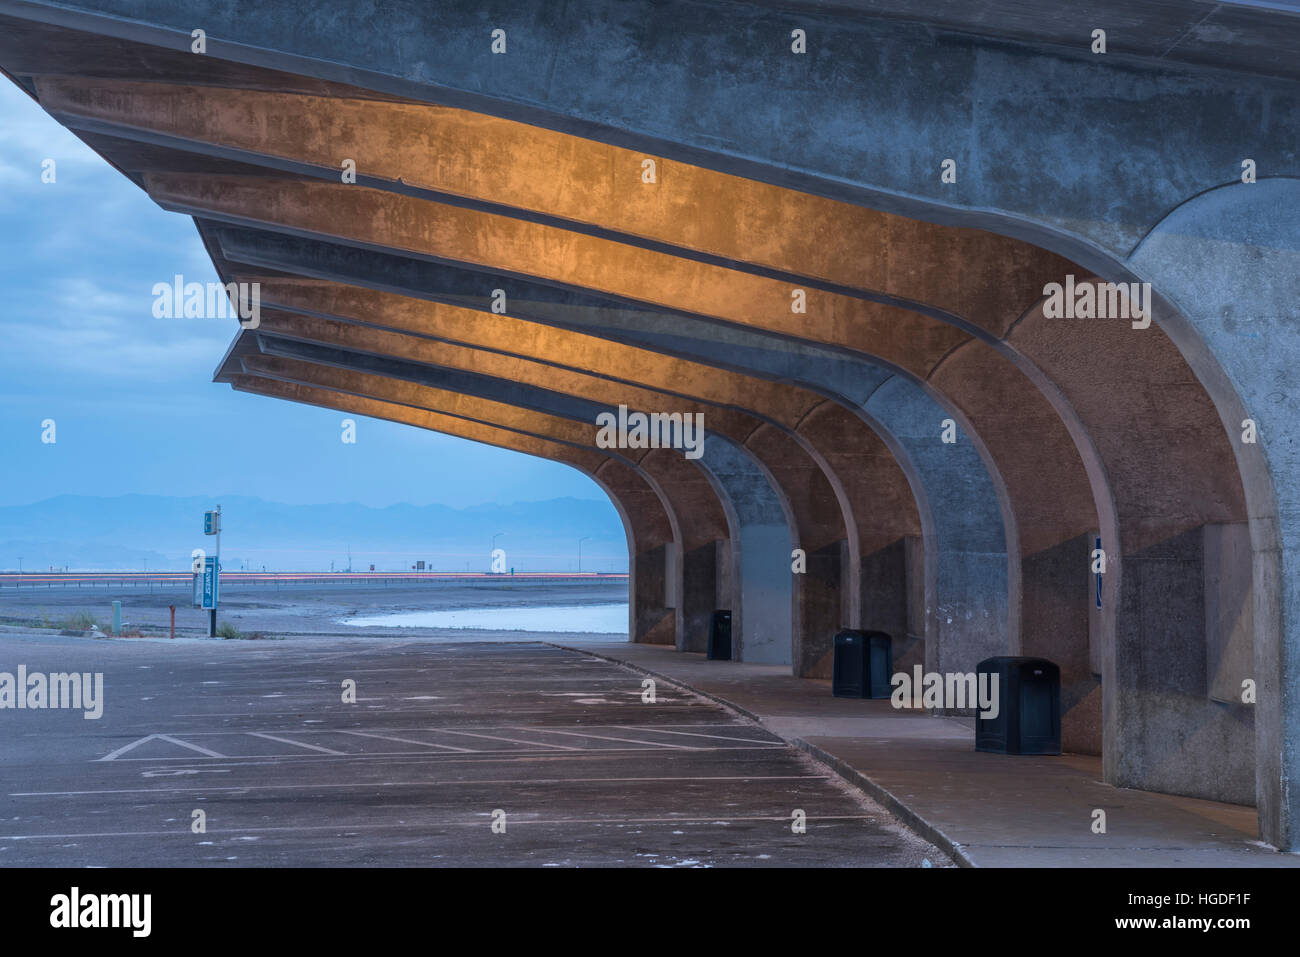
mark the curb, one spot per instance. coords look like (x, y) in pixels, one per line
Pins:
(891, 803)
(842, 770)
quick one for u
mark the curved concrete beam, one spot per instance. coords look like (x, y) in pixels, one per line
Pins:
(859, 117)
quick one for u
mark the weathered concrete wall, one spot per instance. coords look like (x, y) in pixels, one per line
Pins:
(1230, 261)
(703, 523)
(760, 562)
(1058, 584)
(1229, 611)
(1170, 471)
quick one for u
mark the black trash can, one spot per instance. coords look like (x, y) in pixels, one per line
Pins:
(1029, 707)
(720, 635)
(863, 664)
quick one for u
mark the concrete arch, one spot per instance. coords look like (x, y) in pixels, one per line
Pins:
(809, 502)
(989, 270)
(960, 272)
(652, 620)
(890, 571)
(837, 374)
(763, 607)
(703, 562)
(1229, 262)
(757, 505)
(505, 335)
(1177, 493)
(647, 525)
(821, 599)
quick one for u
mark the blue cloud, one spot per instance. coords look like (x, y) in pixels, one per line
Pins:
(131, 395)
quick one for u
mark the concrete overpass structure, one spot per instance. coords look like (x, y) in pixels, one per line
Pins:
(829, 228)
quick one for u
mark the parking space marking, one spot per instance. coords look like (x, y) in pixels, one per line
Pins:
(427, 744)
(426, 827)
(425, 784)
(158, 737)
(605, 737)
(497, 737)
(697, 734)
(185, 744)
(311, 747)
(536, 750)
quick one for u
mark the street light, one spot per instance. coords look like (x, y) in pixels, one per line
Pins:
(492, 553)
(580, 541)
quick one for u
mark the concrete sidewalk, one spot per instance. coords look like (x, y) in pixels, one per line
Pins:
(987, 810)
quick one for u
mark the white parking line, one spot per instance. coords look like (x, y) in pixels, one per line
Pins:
(159, 737)
(535, 748)
(186, 744)
(426, 827)
(388, 737)
(696, 734)
(497, 737)
(423, 784)
(311, 747)
(606, 737)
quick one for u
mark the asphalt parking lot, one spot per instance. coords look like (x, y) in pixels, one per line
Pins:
(555, 748)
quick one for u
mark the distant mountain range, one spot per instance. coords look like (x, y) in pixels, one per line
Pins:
(159, 532)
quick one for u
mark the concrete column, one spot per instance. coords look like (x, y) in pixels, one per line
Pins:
(1229, 261)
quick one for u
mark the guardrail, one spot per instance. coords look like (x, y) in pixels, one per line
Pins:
(231, 579)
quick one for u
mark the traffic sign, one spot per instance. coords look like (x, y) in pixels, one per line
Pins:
(211, 523)
(211, 582)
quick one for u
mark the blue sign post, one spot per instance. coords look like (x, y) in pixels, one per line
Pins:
(211, 584)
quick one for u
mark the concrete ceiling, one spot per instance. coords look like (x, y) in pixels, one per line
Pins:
(1251, 36)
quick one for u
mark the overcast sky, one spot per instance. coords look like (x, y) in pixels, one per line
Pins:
(132, 397)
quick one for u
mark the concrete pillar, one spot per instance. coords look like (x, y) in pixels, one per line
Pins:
(1229, 261)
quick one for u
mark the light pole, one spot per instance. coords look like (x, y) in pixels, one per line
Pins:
(580, 541)
(20, 564)
(216, 580)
